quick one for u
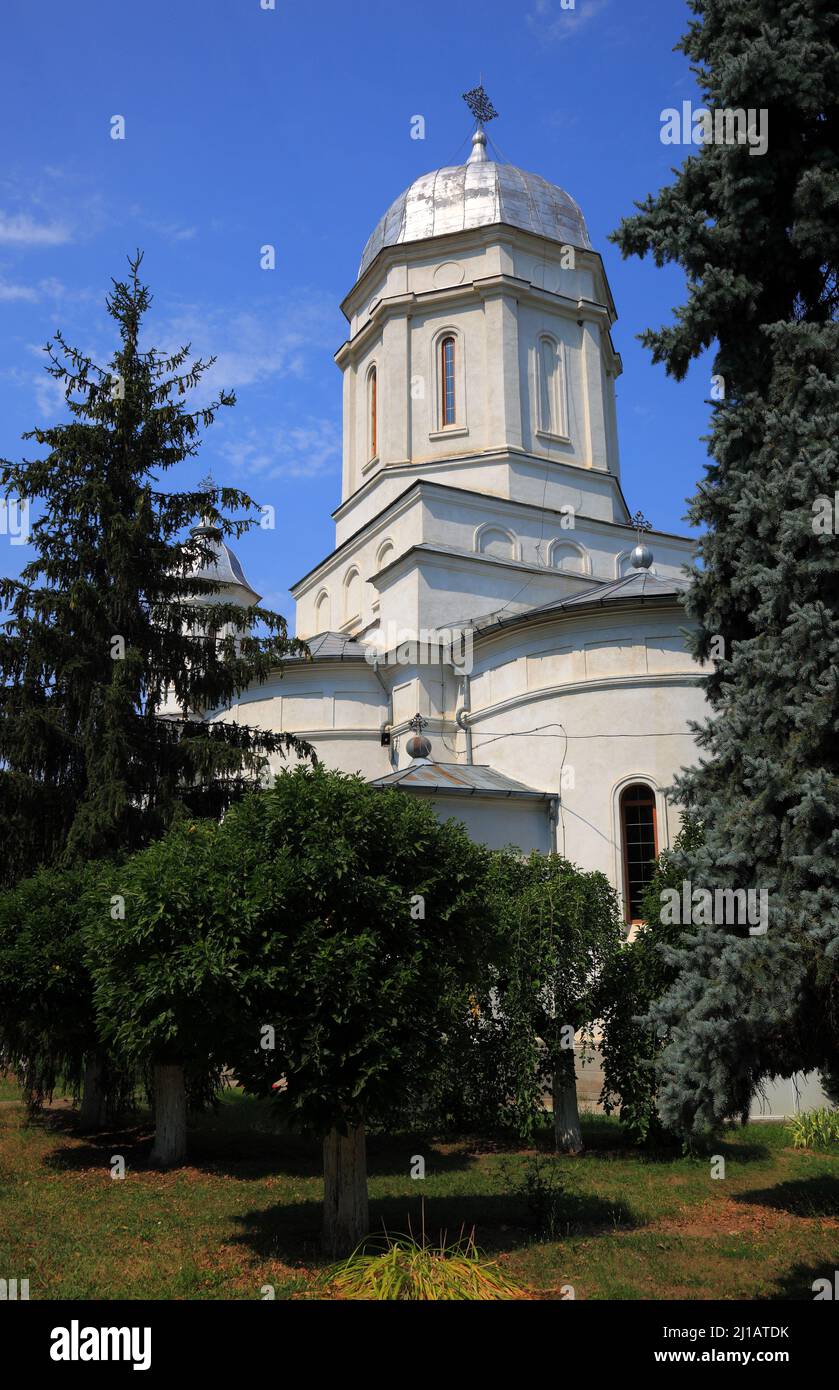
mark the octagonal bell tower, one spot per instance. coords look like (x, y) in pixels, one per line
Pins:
(480, 444)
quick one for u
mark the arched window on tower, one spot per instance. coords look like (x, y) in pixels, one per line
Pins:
(373, 391)
(447, 391)
(549, 367)
(640, 845)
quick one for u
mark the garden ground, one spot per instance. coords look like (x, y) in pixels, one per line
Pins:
(245, 1213)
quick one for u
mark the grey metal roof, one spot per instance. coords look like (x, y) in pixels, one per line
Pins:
(464, 779)
(638, 587)
(639, 584)
(335, 646)
(225, 567)
(479, 193)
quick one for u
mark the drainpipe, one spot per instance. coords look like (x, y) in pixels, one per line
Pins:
(553, 813)
(461, 717)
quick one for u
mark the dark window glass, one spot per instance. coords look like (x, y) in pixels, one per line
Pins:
(374, 422)
(640, 845)
(447, 351)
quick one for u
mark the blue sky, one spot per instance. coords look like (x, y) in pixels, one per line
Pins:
(291, 126)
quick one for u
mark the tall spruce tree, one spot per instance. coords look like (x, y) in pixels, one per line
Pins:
(112, 647)
(758, 238)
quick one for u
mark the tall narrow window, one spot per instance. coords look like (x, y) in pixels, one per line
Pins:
(447, 381)
(640, 845)
(374, 414)
(550, 413)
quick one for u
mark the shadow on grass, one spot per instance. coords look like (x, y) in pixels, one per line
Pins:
(238, 1152)
(796, 1285)
(816, 1196)
(605, 1137)
(290, 1231)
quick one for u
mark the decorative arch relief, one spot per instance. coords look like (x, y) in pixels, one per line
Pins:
(495, 541)
(570, 558)
(323, 611)
(352, 595)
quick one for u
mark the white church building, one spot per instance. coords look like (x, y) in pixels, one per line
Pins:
(493, 631)
(488, 631)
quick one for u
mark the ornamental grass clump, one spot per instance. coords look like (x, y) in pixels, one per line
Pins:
(818, 1129)
(410, 1269)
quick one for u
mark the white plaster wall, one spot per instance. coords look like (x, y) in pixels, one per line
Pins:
(497, 821)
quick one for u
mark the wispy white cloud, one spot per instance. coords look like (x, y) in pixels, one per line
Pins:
(253, 345)
(49, 288)
(173, 231)
(553, 23)
(50, 399)
(20, 229)
(309, 449)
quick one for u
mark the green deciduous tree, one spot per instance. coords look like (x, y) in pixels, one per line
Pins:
(558, 930)
(47, 1023)
(325, 936)
(758, 237)
(368, 918)
(171, 982)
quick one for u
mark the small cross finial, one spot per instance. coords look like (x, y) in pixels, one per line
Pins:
(418, 723)
(640, 524)
(480, 105)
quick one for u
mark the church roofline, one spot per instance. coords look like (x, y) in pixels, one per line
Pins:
(459, 779)
(390, 471)
(425, 483)
(579, 306)
(486, 235)
(640, 589)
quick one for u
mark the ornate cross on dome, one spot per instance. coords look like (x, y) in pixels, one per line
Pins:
(480, 105)
(640, 524)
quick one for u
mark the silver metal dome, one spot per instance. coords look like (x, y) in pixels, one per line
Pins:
(479, 193)
(225, 567)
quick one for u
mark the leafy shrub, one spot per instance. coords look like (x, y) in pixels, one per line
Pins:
(542, 1185)
(635, 979)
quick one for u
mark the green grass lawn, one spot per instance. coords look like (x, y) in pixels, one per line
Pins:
(246, 1212)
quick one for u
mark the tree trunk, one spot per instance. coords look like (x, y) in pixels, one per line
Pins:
(568, 1137)
(93, 1111)
(345, 1211)
(169, 1149)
